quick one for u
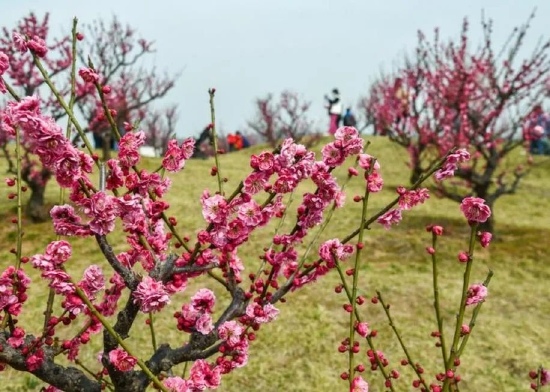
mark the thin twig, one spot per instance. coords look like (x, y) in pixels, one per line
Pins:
(401, 343)
(152, 329)
(437, 305)
(355, 278)
(212, 92)
(462, 307)
(368, 338)
(474, 317)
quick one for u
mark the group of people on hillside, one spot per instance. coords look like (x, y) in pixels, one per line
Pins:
(237, 141)
(334, 106)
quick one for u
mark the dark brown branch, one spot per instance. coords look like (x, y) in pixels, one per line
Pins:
(200, 346)
(68, 379)
(127, 275)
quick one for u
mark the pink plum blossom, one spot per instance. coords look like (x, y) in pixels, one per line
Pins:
(151, 295)
(93, 281)
(476, 294)
(204, 300)
(204, 324)
(359, 385)
(475, 209)
(231, 332)
(88, 75)
(485, 238)
(390, 218)
(204, 376)
(178, 384)
(122, 360)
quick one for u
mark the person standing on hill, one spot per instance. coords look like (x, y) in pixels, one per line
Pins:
(349, 119)
(334, 110)
(402, 98)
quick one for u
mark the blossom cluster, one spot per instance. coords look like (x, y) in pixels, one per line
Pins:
(13, 287)
(46, 139)
(451, 164)
(4, 65)
(197, 315)
(407, 200)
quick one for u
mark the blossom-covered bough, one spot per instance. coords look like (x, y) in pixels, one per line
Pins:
(457, 94)
(133, 197)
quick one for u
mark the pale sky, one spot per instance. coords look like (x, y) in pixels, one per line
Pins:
(248, 48)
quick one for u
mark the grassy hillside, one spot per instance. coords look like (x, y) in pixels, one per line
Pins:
(298, 352)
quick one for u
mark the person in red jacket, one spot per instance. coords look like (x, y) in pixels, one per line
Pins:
(245, 141)
(238, 141)
(231, 142)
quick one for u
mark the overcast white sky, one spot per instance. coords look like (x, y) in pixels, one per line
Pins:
(248, 48)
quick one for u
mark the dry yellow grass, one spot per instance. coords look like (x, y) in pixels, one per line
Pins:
(298, 352)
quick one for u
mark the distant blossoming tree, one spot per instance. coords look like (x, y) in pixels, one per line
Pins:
(159, 127)
(286, 117)
(452, 95)
(127, 89)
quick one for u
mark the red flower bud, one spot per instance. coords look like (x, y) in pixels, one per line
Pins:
(437, 230)
(463, 257)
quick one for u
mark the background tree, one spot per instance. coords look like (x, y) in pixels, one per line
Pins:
(132, 88)
(129, 89)
(159, 127)
(286, 117)
(456, 95)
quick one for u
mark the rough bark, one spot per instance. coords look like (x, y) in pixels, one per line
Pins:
(416, 172)
(67, 379)
(489, 224)
(106, 147)
(36, 208)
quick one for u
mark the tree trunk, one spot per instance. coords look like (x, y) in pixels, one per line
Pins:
(415, 152)
(416, 172)
(482, 191)
(36, 208)
(488, 225)
(106, 147)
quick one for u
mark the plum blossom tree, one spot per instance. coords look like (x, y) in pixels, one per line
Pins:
(286, 117)
(454, 95)
(128, 88)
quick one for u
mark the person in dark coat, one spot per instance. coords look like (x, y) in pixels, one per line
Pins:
(349, 118)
